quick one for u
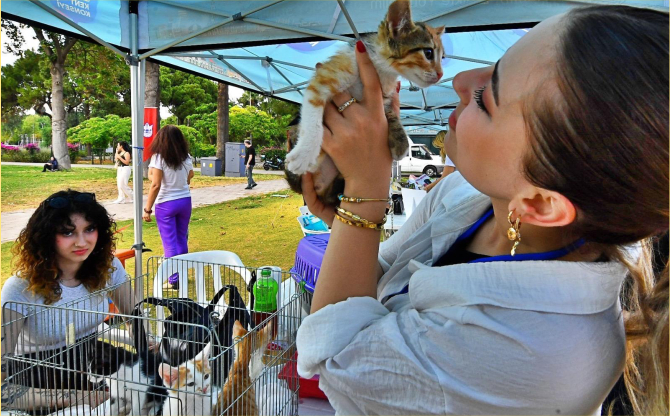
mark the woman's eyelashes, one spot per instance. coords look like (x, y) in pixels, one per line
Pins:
(478, 95)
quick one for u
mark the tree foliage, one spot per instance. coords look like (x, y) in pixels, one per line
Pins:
(270, 105)
(101, 132)
(183, 93)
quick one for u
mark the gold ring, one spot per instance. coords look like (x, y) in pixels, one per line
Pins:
(347, 104)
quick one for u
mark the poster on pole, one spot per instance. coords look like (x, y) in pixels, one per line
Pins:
(150, 129)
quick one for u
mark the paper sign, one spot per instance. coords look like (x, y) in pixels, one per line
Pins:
(411, 199)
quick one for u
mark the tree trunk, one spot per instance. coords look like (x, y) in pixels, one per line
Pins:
(58, 122)
(152, 98)
(222, 123)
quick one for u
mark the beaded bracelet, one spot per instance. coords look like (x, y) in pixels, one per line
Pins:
(356, 217)
(372, 226)
(344, 198)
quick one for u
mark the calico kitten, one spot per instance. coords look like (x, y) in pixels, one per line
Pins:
(401, 47)
(249, 348)
(133, 378)
(190, 386)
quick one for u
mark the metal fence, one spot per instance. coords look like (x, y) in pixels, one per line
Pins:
(198, 349)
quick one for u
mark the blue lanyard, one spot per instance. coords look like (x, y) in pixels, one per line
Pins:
(547, 255)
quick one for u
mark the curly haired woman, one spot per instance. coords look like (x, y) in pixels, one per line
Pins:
(65, 253)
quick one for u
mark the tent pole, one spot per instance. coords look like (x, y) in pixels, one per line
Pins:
(138, 147)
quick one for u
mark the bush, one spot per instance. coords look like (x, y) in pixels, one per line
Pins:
(207, 150)
(25, 156)
(273, 152)
(7, 148)
(73, 150)
(32, 148)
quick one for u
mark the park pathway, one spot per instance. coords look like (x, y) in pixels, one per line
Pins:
(11, 223)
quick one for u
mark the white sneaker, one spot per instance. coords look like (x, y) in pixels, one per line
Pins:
(117, 201)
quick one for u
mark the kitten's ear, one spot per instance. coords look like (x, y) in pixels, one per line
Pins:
(238, 330)
(399, 17)
(204, 354)
(168, 374)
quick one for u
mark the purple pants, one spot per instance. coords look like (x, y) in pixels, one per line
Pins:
(172, 218)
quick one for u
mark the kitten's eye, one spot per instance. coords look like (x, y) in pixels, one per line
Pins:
(429, 53)
(206, 376)
(192, 383)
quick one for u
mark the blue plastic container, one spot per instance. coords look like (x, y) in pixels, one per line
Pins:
(308, 258)
(312, 225)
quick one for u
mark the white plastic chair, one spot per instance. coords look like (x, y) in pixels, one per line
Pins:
(182, 263)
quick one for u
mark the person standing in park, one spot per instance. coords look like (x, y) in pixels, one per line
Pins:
(249, 162)
(170, 171)
(52, 166)
(122, 160)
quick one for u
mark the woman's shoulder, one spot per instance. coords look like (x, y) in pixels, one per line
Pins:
(118, 273)
(15, 290)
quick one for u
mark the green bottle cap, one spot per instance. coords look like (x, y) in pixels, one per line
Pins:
(265, 292)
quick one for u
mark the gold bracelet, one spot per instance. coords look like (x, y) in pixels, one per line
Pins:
(356, 217)
(372, 226)
(341, 197)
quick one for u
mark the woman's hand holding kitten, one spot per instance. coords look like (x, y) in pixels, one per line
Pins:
(357, 142)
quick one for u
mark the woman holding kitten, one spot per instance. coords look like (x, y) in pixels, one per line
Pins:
(500, 295)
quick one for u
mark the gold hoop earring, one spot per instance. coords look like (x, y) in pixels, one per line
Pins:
(514, 231)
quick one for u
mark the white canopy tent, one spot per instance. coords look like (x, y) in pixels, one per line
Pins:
(271, 47)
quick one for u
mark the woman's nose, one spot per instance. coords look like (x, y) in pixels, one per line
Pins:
(466, 82)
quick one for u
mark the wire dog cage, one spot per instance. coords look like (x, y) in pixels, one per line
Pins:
(204, 351)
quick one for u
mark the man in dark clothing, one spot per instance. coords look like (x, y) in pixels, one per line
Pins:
(249, 162)
(52, 165)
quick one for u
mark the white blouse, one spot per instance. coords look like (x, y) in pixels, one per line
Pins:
(521, 337)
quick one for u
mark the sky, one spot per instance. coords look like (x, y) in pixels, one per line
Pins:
(31, 43)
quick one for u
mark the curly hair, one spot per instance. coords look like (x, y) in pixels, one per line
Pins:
(35, 250)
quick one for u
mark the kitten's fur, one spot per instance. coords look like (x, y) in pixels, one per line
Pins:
(190, 386)
(134, 383)
(399, 48)
(249, 348)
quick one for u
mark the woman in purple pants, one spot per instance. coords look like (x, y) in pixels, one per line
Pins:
(170, 171)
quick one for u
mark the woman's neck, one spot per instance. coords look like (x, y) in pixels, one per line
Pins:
(68, 273)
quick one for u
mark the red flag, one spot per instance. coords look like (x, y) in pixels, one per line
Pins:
(150, 129)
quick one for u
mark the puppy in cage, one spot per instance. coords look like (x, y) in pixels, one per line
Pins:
(65, 253)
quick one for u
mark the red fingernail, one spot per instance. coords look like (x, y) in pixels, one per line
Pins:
(397, 88)
(360, 46)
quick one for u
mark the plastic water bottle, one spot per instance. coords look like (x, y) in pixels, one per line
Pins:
(265, 299)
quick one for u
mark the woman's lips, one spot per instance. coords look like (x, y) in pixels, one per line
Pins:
(81, 252)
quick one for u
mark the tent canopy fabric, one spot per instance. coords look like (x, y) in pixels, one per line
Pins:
(271, 47)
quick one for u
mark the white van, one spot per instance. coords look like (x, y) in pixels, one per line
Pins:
(421, 160)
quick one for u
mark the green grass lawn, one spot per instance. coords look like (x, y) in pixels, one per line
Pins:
(262, 230)
(24, 187)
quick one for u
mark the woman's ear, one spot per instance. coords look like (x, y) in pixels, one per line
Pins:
(544, 208)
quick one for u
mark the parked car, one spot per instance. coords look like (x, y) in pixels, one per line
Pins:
(421, 160)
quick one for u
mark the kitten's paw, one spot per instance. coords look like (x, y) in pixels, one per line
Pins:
(301, 160)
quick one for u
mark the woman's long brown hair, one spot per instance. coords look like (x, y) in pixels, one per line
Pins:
(35, 250)
(602, 142)
(171, 145)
